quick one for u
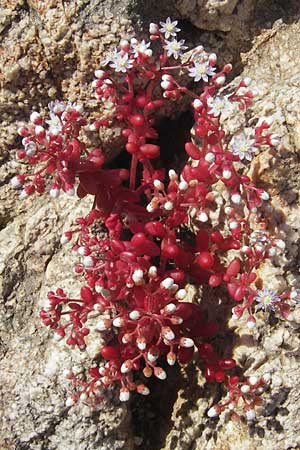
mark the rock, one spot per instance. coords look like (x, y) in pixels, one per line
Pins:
(38, 40)
(215, 14)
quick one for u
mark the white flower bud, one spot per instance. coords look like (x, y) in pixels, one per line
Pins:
(168, 333)
(134, 315)
(69, 402)
(124, 395)
(16, 182)
(233, 225)
(54, 192)
(186, 342)
(167, 283)
(245, 388)
(275, 139)
(168, 206)
(209, 157)
(118, 322)
(160, 373)
(70, 192)
(64, 239)
(220, 80)
(203, 217)
(166, 85)
(264, 196)
(183, 185)
(250, 414)
(144, 390)
(227, 174)
(103, 324)
(141, 344)
(151, 357)
(99, 73)
(152, 272)
(23, 194)
(158, 184)
(170, 307)
(57, 337)
(181, 294)
(83, 397)
(88, 261)
(35, 117)
(153, 28)
(236, 198)
(212, 412)
(197, 104)
(253, 380)
(266, 377)
(247, 81)
(272, 252)
(173, 175)
(138, 276)
(39, 130)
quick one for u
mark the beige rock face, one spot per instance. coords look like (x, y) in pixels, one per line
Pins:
(49, 50)
(215, 14)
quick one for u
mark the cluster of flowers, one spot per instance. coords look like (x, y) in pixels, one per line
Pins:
(134, 292)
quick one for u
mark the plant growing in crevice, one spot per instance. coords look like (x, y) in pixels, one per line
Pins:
(135, 278)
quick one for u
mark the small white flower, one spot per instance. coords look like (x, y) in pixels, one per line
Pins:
(140, 48)
(169, 28)
(201, 71)
(55, 124)
(175, 48)
(220, 106)
(259, 237)
(121, 62)
(243, 146)
(57, 107)
(109, 57)
(266, 299)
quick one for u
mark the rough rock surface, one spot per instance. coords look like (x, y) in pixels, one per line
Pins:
(49, 51)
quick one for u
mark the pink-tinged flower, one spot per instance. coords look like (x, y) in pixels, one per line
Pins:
(169, 28)
(243, 146)
(201, 71)
(266, 299)
(175, 48)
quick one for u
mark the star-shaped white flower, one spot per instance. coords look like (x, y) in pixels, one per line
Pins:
(110, 56)
(243, 146)
(140, 48)
(201, 71)
(175, 48)
(121, 62)
(169, 28)
(220, 105)
(55, 124)
(266, 299)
